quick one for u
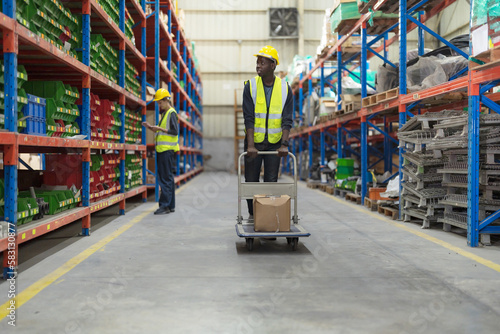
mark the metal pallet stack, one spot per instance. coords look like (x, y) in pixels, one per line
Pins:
(421, 183)
(455, 171)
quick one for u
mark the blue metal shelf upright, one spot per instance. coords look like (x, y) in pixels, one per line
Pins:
(45, 60)
(170, 60)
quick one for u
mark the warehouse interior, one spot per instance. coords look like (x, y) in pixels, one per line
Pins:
(384, 217)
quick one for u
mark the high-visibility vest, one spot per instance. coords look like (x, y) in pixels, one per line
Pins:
(164, 141)
(276, 105)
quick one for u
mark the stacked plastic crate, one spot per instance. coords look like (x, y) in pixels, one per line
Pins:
(50, 20)
(61, 110)
(27, 208)
(103, 58)
(131, 83)
(133, 127)
(96, 177)
(22, 100)
(110, 121)
(133, 170)
(104, 176)
(129, 24)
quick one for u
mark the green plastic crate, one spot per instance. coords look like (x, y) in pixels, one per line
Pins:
(345, 162)
(52, 89)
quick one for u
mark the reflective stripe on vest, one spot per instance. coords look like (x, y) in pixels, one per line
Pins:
(164, 141)
(276, 106)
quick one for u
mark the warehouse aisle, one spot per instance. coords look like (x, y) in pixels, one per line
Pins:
(189, 273)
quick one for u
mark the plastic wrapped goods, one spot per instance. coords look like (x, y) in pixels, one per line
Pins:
(387, 78)
(432, 71)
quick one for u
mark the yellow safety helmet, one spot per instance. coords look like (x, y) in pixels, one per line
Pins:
(161, 94)
(269, 52)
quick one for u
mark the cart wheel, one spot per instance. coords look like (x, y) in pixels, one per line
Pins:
(249, 244)
(289, 240)
(294, 243)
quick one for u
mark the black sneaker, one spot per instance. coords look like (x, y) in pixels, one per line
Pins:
(171, 210)
(162, 211)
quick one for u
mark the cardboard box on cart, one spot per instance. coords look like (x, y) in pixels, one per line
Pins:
(271, 213)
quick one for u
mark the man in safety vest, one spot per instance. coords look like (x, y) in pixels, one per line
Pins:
(267, 110)
(167, 145)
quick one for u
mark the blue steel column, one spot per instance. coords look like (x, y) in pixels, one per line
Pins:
(339, 78)
(10, 168)
(310, 152)
(421, 41)
(300, 154)
(157, 82)
(387, 148)
(364, 130)
(301, 101)
(322, 80)
(169, 49)
(121, 83)
(473, 168)
(340, 153)
(85, 130)
(386, 51)
(143, 84)
(402, 85)
(322, 146)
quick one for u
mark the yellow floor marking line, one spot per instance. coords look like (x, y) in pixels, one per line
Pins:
(41, 284)
(458, 250)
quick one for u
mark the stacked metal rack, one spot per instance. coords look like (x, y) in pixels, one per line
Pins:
(47, 49)
(331, 134)
(347, 134)
(170, 60)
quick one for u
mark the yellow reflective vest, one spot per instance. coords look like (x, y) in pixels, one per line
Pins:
(163, 140)
(276, 105)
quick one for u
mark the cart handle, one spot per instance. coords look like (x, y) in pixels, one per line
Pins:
(295, 173)
(271, 153)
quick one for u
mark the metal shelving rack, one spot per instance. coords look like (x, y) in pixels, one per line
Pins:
(44, 60)
(168, 47)
(356, 124)
(481, 80)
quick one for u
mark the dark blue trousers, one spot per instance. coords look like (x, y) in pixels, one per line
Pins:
(254, 165)
(165, 175)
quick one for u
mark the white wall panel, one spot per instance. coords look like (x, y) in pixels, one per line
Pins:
(455, 18)
(313, 25)
(218, 5)
(218, 122)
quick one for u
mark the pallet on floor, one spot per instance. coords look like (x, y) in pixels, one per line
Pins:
(313, 184)
(330, 189)
(352, 197)
(341, 192)
(389, 212)
(371, 204)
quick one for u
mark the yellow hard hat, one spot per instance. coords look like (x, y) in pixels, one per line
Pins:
(161, 94)
(269, 52)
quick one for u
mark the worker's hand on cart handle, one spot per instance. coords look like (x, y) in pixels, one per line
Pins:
(283, 151)
(252, 152)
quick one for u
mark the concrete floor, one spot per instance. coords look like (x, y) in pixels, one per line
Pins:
(188, 272)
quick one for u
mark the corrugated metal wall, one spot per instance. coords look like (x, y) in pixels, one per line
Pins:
(227, 33)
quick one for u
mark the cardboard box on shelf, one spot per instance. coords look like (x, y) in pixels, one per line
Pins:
(271, 213)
